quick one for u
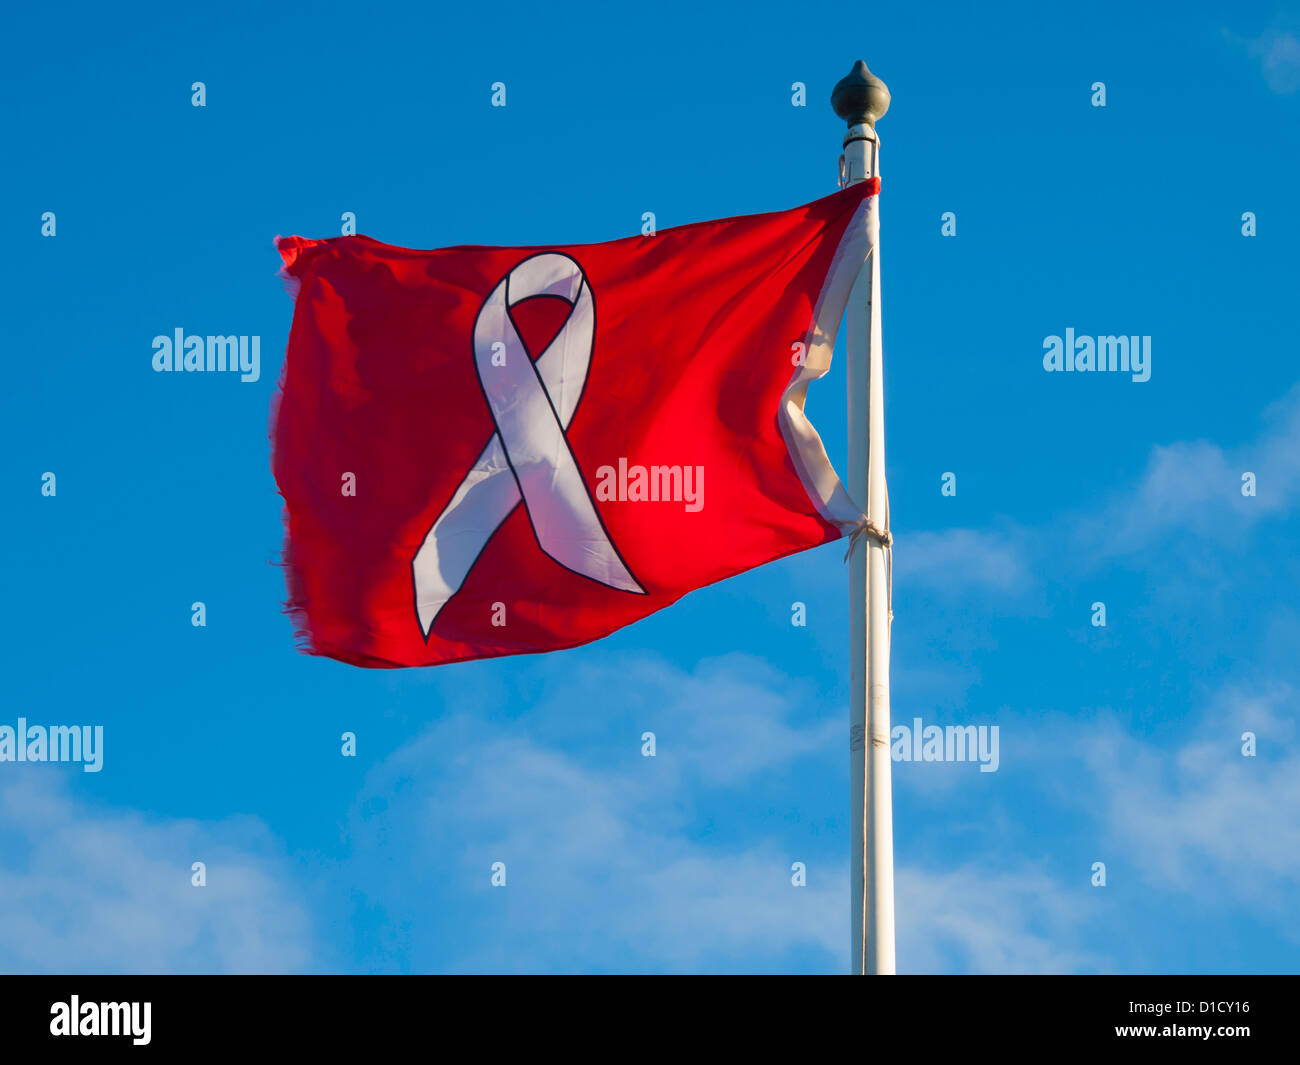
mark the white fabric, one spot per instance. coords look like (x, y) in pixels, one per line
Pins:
(527, 459)
(807, 451)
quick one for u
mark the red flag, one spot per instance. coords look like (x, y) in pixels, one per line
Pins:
(490, 451)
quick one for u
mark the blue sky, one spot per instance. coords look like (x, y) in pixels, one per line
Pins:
(1119, 744)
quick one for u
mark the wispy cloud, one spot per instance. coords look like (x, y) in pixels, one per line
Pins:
(1203, 819)
(964, 560)
(1190, 491)
(1278, 52)
(615, 862)
(607, 856)
(973, 920)
(83, 890)
(612, 850)
(721, 722)
(1196, 486)
(1201, 824)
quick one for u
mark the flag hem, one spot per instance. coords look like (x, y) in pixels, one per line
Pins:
(804, 443)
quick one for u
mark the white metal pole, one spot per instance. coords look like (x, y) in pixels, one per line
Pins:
(860, 99)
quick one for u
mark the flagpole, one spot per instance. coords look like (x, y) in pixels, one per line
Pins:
(860, 99)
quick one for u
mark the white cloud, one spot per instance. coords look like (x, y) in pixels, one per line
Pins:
(606, 867)
(601, 869)
(1196, 486)
(723, 721)
(1187, 488)
(1278, 52)
(1203, 819)
(954, 560)
(87, 891)
(977, 921)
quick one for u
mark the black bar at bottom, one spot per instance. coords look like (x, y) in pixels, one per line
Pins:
(608, 1016)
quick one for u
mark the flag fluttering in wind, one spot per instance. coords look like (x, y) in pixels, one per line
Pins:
(491, 451)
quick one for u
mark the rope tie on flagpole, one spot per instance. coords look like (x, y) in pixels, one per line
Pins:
(866, 529)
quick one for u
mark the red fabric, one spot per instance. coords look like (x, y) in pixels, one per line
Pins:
(691, 352)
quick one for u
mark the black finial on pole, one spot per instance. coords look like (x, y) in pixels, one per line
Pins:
(860, 98)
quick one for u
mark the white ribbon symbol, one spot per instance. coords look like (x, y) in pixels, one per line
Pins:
(527, 459)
